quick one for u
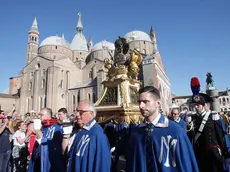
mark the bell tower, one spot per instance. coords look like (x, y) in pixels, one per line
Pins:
(153, 39)
(33, 42)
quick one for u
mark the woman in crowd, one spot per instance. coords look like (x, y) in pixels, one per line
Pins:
(20, 151)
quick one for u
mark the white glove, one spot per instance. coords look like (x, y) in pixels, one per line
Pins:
(67, 130)
(112, 149)
(37, 124)
(189, 119)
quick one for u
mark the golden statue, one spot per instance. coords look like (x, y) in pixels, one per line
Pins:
(135, 61)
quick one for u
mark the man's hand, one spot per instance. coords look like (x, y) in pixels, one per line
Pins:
(5, 120)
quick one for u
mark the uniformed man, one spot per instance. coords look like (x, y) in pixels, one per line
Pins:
(207, 134)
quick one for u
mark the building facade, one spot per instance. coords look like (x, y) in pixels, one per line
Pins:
(60, 74)
(222, 101)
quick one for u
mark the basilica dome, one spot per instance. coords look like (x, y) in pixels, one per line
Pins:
(55, 40)
(137, 35)
(103, 45)
(79, 43)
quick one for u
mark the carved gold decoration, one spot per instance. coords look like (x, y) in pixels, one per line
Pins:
(135, 61)
(133, 95)
(119, 99)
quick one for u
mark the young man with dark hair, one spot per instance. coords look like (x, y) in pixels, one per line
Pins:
(158, 144)
(62, 115)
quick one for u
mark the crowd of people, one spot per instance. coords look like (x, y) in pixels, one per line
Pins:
(77, 143)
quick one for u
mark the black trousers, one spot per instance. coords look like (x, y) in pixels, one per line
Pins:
(209, 160)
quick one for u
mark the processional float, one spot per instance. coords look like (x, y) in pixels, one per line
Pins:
(118, 101)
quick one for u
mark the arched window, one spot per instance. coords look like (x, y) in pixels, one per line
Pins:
(90, 74)
(89, 97)
(43, 83)
(37, 66)
(94, 97)
(43, 72)
(32, 38)
(74, 101)
(31, 74)
(227, 101)
(160, 89)
(220, 101)
(78, 97)
(44, 101)
(40, 103)
(30, 86)
(27, 104)
(35, 39)
(61, 84)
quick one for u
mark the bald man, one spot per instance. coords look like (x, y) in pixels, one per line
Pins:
(90, 149)
(47, 156)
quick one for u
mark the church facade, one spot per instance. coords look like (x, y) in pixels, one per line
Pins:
(60, 74)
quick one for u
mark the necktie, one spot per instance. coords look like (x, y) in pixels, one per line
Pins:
(149, 151)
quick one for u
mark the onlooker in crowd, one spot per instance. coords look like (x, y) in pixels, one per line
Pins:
(32, 138)
(72, 117)
(20, 151)
(62, 115)
(6, 128)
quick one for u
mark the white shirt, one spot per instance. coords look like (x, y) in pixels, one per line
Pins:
(20, 134)
(71, 141)
(155, 121)
(177, 120)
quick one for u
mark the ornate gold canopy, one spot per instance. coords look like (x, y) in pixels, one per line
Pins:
(118, 101)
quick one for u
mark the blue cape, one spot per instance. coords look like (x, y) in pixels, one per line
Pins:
(90, 151)
(182, 123)
(171, 149)
(47, 156)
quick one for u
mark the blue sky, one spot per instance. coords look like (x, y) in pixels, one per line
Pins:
(192, 35)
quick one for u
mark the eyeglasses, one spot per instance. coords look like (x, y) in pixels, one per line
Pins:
(82, 111)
